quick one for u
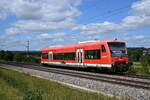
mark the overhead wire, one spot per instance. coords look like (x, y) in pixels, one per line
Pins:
(107, 13)
(113, 12)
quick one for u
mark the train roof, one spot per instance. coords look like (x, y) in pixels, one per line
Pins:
(80, 44)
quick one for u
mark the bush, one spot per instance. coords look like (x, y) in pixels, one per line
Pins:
(135, 54)
(36, 59)
(18, 57)
(145, 61)
(2, 54)
(32, 59)
(8, 56)
(132, 70)
(33, 95)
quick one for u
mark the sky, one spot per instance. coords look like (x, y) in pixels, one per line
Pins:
(46, 23)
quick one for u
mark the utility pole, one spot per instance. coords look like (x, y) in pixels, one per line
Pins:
(28, 43)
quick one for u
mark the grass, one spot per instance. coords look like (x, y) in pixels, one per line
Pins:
(9, 93)
(138, 69)
(18, 86)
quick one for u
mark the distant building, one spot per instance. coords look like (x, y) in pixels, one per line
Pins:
(146, 51)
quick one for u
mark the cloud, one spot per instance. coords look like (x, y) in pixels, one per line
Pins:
(45, 9)
(135, 22)
(141, 8)
(40, 15)
(139, 19)
(41, 9)
(12, 31)
(32, 26)
(139, 40)
(139, 37)
(95, 28)
(51, 36)
(2, 15)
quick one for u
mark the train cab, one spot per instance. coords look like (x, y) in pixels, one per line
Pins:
(119, 57)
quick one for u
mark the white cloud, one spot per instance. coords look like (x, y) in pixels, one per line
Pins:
(135, 22)
(51, 10)
(40, 15)
(12, 31)
(141, 8)
(52, 36)
(139, 37)
(138, 41)
(41, 9)
(2, 15)
(98, 28)
(140, 19)
(39, 26)
(136, 38)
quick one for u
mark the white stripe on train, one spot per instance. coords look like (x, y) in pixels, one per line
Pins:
(80, 64)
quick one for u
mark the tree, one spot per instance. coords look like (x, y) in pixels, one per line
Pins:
(135, 54)
(8, 56)
(18, 57)
(32, 59)
(145, 61)
(2, 54)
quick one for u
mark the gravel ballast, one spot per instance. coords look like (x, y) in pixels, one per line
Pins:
(118, 90)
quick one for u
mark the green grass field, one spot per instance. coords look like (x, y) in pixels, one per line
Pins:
(138, 69)
(18, 86)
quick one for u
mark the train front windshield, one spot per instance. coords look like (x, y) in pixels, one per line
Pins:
(117, 48)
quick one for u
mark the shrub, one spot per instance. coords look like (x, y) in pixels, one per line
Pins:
(2, 54)
(33, 95)
(8, 56)
(31, 59)
(132, 70)
(145, 61)
(18, 57)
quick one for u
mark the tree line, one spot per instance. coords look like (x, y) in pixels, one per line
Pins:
(18, 57)
(136, 55)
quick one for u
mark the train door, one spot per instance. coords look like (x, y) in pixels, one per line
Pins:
(79, 55)
(104, 54)
(50, 54)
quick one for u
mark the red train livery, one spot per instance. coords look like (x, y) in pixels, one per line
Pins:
(110, 54)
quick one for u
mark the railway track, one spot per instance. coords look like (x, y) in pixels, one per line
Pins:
(138, 76)
(132, 81)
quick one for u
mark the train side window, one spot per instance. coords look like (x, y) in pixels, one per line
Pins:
(103, 48)
(45, 55)
(64, 56)
(92, 54)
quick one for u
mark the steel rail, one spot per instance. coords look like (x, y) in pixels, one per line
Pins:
(137, 76)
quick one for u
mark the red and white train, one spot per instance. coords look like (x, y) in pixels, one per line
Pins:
(110, 54)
